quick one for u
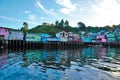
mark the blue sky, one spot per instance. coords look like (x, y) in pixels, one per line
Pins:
(92, 12)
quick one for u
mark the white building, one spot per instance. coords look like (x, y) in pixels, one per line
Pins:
(63, 36)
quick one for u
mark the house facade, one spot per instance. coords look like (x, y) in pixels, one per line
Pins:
(70, 36)
(118, 37)
(117, 32)
(33, 37)
(53, 39)
(85, 37)
(111, 37)
(76, 37)
(3, 34)
(63, 36)
(44, 37)
(15, 35)
(101, 38)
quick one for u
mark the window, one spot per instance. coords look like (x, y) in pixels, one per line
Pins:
(63, 34)
(60, 33)
(10, 32)
(5, 30)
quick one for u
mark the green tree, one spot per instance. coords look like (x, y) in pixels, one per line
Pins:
(81, 26)
(25, 27)
(107, 28)
(57, 23)
(25, 24)
(66, 23)
(61, 23)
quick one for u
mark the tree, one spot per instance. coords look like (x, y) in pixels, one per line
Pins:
(107, 28)
(66, 23)
(25, 27)
(61, 23)
(82, 26)
(57, 23)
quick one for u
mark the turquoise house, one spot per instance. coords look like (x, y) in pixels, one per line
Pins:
(87, 39)
(117, 32)
(118, 37)
(111, 37)
(33, 37)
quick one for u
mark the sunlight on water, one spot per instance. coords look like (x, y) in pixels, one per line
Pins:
(80, 64)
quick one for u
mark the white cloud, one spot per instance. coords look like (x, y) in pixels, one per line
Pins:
(32, 22)
(18, 20)
(106, 12)
(52, 10)
(42, 18)
(27, 12)
(73, 23)
(10, 18)
(67, 5)
(40, 6)
(32, 17)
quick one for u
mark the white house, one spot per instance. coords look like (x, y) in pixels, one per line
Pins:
(63, 36)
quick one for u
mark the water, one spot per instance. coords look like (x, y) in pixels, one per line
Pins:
(93, 63)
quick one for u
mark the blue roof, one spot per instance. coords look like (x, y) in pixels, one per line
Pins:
(45, 35)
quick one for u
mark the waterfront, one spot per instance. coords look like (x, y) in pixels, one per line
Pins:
(92, 63)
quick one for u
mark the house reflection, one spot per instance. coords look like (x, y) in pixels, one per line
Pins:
(87, 54)
(3, 58)
(31, 57)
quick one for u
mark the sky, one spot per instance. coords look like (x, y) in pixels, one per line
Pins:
(35, 12)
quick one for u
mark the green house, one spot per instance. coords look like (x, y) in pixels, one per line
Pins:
(33, 37)
(118, 37)
(111, 37)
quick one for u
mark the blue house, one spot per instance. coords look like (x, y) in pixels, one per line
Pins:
(53, 39)
(44, 37)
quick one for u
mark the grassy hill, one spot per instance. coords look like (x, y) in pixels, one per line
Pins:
(52, 29)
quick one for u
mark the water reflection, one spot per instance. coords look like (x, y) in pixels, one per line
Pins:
(59, 64)
(31, 57)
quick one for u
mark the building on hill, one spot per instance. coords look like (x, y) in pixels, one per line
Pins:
(47, 24)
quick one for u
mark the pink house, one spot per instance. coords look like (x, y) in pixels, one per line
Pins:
(101, 38)
(3, 33)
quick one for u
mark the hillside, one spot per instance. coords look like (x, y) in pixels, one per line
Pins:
(52, 29)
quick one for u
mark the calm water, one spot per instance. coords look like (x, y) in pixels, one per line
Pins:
(80, 64)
